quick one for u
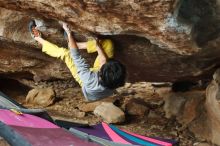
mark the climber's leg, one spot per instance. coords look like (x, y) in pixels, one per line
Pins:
(63, 54)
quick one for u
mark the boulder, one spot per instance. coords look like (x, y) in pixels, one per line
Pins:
(158, 41)
(166, 41)
(192, 107)
(110, 113)
(190, 111)
(90, 106)
(136, 107)
(212, 106)
(185, 106)
(41, 97)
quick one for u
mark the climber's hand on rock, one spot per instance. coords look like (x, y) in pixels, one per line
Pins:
(66, 28)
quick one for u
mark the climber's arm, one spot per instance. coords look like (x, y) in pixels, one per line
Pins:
(82, 67)
(101, 54)
(71, 41)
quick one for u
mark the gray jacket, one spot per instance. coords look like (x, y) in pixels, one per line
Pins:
(91, 87)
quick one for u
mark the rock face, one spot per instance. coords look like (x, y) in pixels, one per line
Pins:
(144, 18)
(185, 106)
(166, 40)
(197, 111)
(213, 106)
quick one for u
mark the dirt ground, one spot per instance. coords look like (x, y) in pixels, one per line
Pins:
(153, 123)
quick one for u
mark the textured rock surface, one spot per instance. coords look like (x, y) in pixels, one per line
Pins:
(173, 105)
(157, 36)
(195, 110)
(136, 107)
(213, 106)
(41, 97)
(90, 107)
(110, 113)
(185, 106)
(144, 18)
(157, 41)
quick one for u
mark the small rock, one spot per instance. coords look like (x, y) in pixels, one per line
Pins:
(153, 114)
(3, 142)
(110, 113)
(89, 107)
(201, 144)
(136, 107)
(174, 133)
(43, 97)
(173, 104)
(163, 92)
(78, 113)
(127, 85)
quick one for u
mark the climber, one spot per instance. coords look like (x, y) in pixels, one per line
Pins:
(98, 82)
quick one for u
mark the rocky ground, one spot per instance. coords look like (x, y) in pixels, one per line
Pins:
(142, 104)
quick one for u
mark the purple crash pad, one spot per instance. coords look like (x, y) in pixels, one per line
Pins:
(50, 137)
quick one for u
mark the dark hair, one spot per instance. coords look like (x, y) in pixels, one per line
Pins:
(112, 74)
